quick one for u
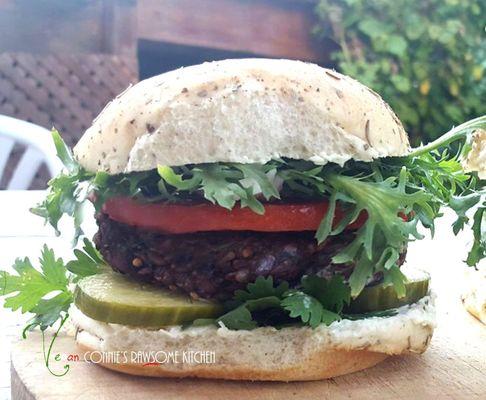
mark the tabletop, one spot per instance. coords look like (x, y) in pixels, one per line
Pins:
(457, 353)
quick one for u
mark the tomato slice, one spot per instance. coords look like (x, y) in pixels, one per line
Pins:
(178, 218)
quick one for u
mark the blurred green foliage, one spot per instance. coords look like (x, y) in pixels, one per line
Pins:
(427, 58)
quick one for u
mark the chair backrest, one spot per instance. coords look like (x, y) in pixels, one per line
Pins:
(38, 149)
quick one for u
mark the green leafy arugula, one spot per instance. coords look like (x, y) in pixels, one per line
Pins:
(68, 191)
(398, 195)
(478, 249)
(224, 184)
(46, 292)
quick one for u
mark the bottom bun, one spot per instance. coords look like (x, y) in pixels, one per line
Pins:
(287, 354)
(324, 364)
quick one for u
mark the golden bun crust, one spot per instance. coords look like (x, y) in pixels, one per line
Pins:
(246, 111)
(265, 353)
(324, 364)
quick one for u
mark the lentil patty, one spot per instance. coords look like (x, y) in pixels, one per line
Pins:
(213, 265)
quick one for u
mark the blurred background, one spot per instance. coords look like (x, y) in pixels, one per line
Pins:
(61, 61)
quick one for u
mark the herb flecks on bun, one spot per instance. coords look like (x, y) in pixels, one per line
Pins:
(242, 111)
(258, 202)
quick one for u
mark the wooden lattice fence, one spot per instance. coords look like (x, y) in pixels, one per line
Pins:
(62, 91)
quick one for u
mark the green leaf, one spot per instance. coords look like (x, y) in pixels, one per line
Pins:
(30, 285)
(325, 227)
(361, 274)
(262, 287)
(202, 322)
(415, 26)
(385, 190)
(332, 294)
(383, 202)
(239, 318)
(305, 304)
(257, 174)
(308, 309)
(263, 303)
(52, 268)
(88, 262)
(478, 249)
(373, 28)
(462, 204)
(44, 292)
(67, 191)
(64, 153)
(218, 184)
(328, 317)
(396, 45)
(251, 202)
(101, 179)
(397, 278)
(169, 176)
(379, 314)
(47, 312)
(401, 83)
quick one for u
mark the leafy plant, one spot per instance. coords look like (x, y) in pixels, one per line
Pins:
(396, 193)
(46, 292)
(426, 58)
(315, 301)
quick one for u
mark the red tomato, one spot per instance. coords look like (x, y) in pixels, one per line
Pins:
(177, 218)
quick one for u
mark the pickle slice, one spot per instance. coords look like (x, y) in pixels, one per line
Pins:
(111, 297)
(383, 296)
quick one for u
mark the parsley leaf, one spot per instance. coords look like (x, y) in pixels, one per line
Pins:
(239, 318)
(262, 287)
(308, 309)
(88, 262)
(316, 301)
(332, 293)
(45, 292)
(48, 311)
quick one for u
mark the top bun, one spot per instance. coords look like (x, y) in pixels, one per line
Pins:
(245, 111)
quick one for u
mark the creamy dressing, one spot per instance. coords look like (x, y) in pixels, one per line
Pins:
(409, 330)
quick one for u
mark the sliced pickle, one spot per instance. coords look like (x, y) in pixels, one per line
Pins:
(383, 296)
(113, 298)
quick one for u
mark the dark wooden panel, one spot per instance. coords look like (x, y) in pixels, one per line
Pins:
(272, 28)
(157, 57)
(75, 26)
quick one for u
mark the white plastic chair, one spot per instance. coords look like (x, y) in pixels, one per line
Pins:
(39, 148)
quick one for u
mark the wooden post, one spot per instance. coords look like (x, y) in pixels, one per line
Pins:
(118, 22)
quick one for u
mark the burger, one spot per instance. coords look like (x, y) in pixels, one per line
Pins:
(256, 213)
